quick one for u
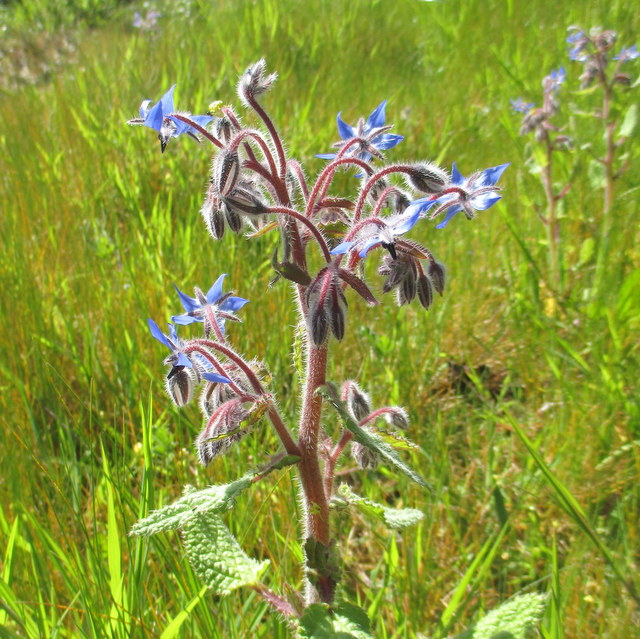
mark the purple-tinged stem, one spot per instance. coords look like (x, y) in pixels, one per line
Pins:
(283, 210)
(200, 129)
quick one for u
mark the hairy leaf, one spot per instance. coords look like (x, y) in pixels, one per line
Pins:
(216, 499)
(369, 439)
(216, 556)
(390, 517)
(346, 622)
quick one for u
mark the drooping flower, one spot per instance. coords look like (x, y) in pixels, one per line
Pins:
(159, 118)
(213, 308)
(178, 360)
(475, 193)
(552, 82)
(381, 232)
(372, 135)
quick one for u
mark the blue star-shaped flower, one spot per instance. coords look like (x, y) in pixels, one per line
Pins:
(159, 118)
(383, 235)
(521, 106)
(178, 359)
(212, 307)
(475, 193)
(627, 54)
(372, 134)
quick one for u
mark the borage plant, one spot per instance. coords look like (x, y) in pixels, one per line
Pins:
(254, 185)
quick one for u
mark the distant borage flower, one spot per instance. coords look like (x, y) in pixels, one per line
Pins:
(212, 307)
(521, 106)
(627, 54)
(553, 81)
(372, 136)
(159, 118)
(475, 193)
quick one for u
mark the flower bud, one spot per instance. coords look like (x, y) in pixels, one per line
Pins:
(398, 418)
(363, 456)
(223, 429)
(437, 273)
(358, 403)
(243, 201)
(428, 177)
(226, 169)
(180, 383)
(213, 216)
(425, 291)
(254, 82)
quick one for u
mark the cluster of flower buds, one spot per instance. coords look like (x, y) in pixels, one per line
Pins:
(230, 401)
(358, 405)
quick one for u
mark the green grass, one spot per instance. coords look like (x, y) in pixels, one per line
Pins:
(96, 226)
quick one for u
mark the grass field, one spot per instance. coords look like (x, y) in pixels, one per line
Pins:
(96, 226)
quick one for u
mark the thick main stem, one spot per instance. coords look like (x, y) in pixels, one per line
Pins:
(322, 574)
(552, 222)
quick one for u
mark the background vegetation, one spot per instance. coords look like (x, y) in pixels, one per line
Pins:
(96, 225)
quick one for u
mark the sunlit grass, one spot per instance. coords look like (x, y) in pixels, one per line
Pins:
(96, 226)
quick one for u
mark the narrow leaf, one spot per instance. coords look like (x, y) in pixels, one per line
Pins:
(371, 440)
(358, 286)
(392, 518)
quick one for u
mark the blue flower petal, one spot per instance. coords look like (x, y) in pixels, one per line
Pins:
(167, 101)
(377, 117)
(387, 141)
(490, 176)
(183, 360)
(158, 334)
(368, 245)
(450, 213)
(421, 205)
(185, 320)
(326, 156)
(342, 248)
(214, 377)
(233, 304)
(483, 202)
(345, 130)
(189, 303)
(406, 222)
(215, 292)
(154, 117)
(456, 176)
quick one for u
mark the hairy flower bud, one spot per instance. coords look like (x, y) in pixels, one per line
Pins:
(326, 307)
(358, 402)
(213, 215)
(398, 418)
(428, 178)
(437, 274)
(425, 291)
(363, 456)
(223, 429)
(180, 383)
(243, 201)
(226, 169)
(254, 82)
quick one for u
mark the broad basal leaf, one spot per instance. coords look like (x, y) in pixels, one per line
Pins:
(216, 556)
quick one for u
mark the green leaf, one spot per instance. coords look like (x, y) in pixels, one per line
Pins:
(215, 499)
(514, 619)
(371, 440)
(346, 622)
(392, 518)
(216, 556)
(629, 123)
